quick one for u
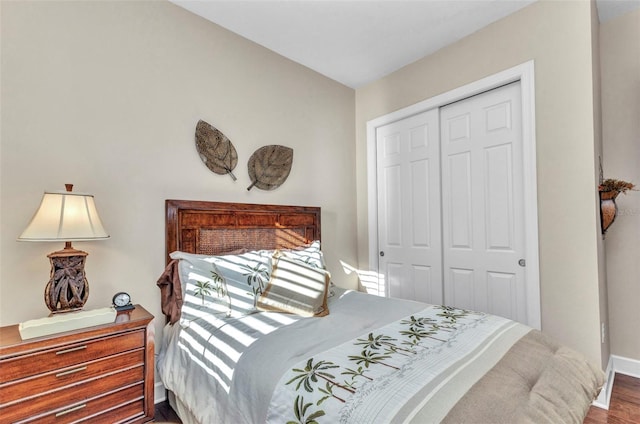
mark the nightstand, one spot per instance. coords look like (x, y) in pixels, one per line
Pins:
(101, 374)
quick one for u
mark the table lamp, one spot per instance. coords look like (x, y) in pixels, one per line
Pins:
(66, 216)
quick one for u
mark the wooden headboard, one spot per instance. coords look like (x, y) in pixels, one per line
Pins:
(213, 228)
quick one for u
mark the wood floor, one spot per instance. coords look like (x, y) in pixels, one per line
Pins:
(164, 413)
(624, 407)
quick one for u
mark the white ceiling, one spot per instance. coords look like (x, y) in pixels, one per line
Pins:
(356, 42)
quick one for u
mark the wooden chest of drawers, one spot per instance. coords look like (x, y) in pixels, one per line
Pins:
(101, 374)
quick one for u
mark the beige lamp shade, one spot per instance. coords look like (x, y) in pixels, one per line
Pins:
(65, 216)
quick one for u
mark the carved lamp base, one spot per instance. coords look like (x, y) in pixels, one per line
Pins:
(68, 288)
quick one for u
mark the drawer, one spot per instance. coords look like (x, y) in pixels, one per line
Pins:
(123, 414)
(33, 386)
(62, 399)
(43, 361)
(120, 405)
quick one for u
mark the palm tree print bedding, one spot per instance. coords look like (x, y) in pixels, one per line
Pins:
(368, 378)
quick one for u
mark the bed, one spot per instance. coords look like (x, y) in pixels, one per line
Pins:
(257, 332)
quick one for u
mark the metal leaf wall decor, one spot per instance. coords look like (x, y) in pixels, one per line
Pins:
(215, 149)
(269, 166)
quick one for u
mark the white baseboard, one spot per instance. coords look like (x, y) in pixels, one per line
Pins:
(620, 365)
(626, 366)
(605, 394)
(160, 394)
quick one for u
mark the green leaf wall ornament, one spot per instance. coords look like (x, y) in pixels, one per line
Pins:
(215, 149)
(269, 166)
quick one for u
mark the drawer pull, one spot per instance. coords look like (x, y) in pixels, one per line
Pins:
(73, 349)
(70, 410)
(73, 371)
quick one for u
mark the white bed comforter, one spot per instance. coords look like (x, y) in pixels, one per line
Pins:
(372, 360)
(225, 370)
(393, 373)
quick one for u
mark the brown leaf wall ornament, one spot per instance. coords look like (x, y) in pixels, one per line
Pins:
(215, 149)
(269, 166)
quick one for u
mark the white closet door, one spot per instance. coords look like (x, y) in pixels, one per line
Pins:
(409, 208)
(482, 203)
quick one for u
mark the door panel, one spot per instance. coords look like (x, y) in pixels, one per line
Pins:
(428, 287)
(499, 202)
(393, 206)
(397, 280)
(409, 208)
(421, 220)
(459, 226)
(502, 293)
(483, 216)
(461, 288)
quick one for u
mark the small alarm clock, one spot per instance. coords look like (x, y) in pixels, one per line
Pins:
(122, 302)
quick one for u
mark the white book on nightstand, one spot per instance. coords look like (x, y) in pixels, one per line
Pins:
(66, 322)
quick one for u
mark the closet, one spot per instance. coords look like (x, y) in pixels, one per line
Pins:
(450, 204)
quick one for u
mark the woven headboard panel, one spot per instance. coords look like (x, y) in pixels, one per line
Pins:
(214, 227)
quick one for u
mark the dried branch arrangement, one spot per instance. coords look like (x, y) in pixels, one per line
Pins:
(619, 186)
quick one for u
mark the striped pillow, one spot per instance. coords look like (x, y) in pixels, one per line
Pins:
(296, 288)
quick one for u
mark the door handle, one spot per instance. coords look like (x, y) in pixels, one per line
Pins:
(381, 253)
(522, 263)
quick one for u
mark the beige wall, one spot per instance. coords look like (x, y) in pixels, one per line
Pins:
(620, 61)
(597, 127)
(106, 95)
(557, 36)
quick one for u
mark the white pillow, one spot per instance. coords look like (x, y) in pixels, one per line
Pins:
(246, 275)
(309, 254)
(204, 290)
(296, 287)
